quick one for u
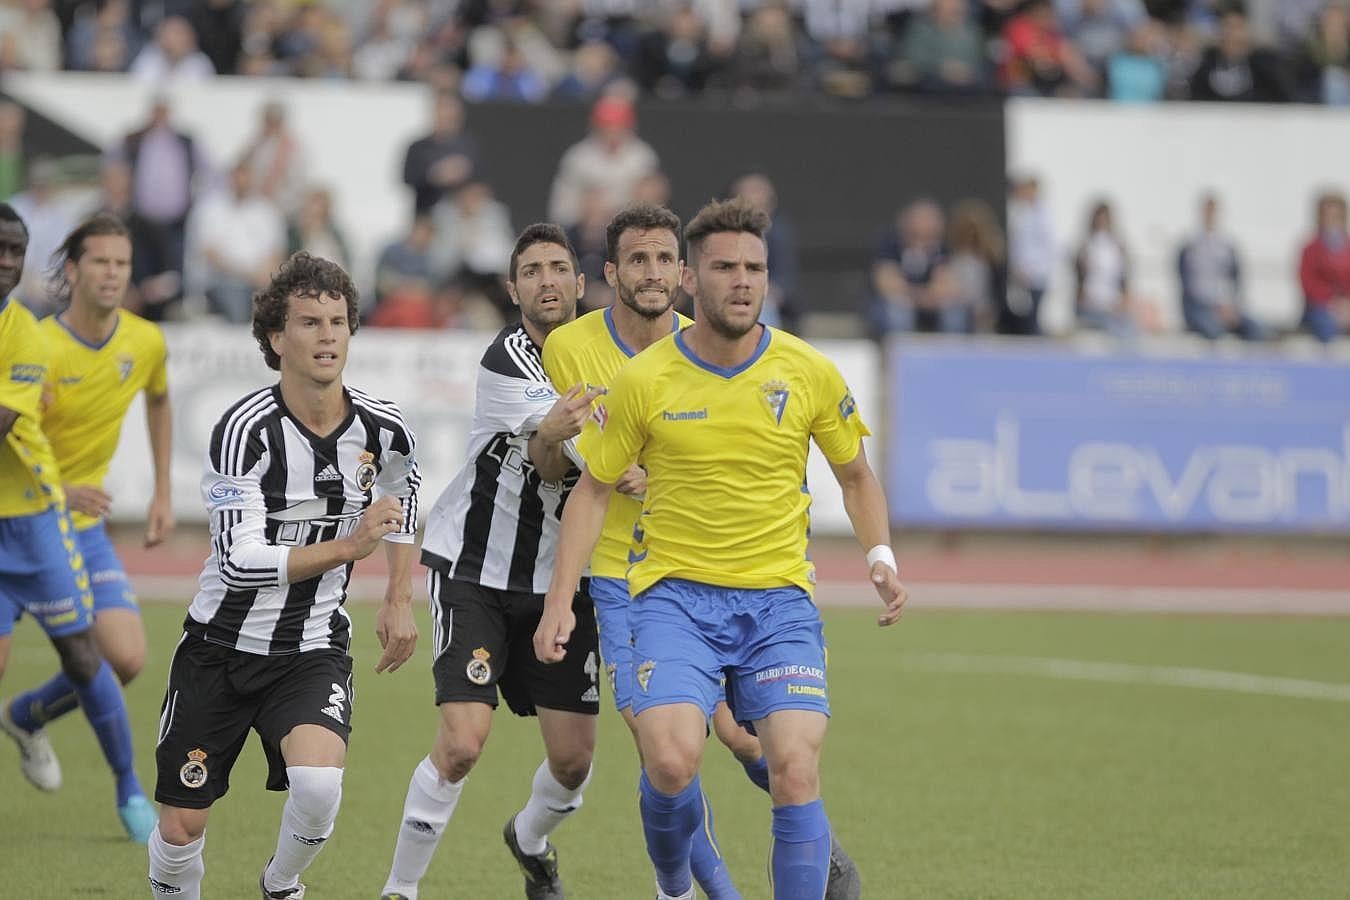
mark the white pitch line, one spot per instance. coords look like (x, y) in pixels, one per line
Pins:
(1127, 673)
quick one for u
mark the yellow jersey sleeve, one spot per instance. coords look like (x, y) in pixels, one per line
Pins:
(157, 385)
(836, 426)
(621, 426)
(29, 479)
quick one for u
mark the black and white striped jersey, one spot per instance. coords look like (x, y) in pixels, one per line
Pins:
(271, 484)
(496, 525)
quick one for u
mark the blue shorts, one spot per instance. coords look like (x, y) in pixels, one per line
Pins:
(768, 643)
(42, 573)
(107, 578)
(611, 601)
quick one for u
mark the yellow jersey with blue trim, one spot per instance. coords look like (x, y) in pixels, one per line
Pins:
(90, 387)
(725, 451)
(589, 351)
(29, 480)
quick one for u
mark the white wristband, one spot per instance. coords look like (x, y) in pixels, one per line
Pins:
(882, 553)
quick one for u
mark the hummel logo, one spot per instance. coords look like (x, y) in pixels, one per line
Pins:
(334, 711)
(328, 474)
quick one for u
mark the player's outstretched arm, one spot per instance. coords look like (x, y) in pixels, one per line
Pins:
(159, 419)
(394, 624)
(865, 503)
(382, 517)
(562, 423)
(582, 520)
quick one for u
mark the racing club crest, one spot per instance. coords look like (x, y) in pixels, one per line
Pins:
(478, 671)
(193, 773)
(124, 366)
(365, 472)
(776, 395)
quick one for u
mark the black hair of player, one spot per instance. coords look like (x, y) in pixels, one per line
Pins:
(641, 217)
(302, 275)
(722, 216)
(72, 249)
(10, 214)
(541, 233)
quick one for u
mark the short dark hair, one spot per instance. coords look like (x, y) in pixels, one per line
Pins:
(643, 217)
(302, 275)
(721, 216)
(10, 214)
(72, 248)
(541, 233)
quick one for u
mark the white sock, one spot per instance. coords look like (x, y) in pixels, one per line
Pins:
(426, 811)
(662, 895)
(176, 871)
(306, 823)
(548, 805)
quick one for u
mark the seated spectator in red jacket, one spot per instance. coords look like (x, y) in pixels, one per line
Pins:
(1039, 59)
(1324, 271)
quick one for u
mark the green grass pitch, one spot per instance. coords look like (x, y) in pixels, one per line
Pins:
(942, 784)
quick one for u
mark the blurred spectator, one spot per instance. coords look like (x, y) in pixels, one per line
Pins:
(595, 66)
(1324, 66)
(11, 148)
(1138, 74)
(278, 159)
(1032, 254)
(913, 290)
(473, 242)
(238, 238)
(588, 240)
(386, 43)
(674, 60)
(404, 266)
(314, 230)
(173, 56)
(839, 31)
(976, 265)
(1211, 281)
(654, 187)
(512, 27)
(35, 34)
(611, 158)
(102, 38)
(49, 217)
(1098, 29)
(114, 192)
(508, 78)
(220, 27)
(438, 164)
(1233, 69)
(329, 55)
(943, 51)
(1324, 271)
(780, 310)
(767, 59)
(1038, 59)
(1104, 301)
(1295, 19)
(166, 165)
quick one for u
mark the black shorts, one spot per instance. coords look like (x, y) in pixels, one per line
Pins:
(216, 694)
(484, 640)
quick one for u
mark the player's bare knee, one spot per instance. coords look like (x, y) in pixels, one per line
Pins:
(742, 744)
(80, 659)
(571, 771)
(795, 779)
(670, 769)
(127, 666)
(455, 755)
(181, 827)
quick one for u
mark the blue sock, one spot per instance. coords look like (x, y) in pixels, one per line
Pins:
(758, 772)
(800, 863)
(669, 824)
(705, 859)
(101, 700)
(35, 708)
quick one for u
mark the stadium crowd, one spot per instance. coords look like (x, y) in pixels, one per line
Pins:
(208, 232)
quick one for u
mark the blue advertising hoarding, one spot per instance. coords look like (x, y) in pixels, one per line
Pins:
(1031, 434)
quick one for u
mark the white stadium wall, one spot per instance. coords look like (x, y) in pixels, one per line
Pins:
(1267, 163)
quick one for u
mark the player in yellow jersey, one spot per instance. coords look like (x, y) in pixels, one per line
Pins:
(721, 416)
(42, 572)
(101, 357)
(643, 266)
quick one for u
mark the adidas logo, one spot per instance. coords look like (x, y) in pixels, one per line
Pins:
(309, 842)
(160, 887)
(329, 474)
(420, 826)
(591, 696)
(333, 711)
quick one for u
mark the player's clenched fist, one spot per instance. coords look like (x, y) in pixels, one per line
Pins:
(565, 418)
(554, 631)
(382, 517)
